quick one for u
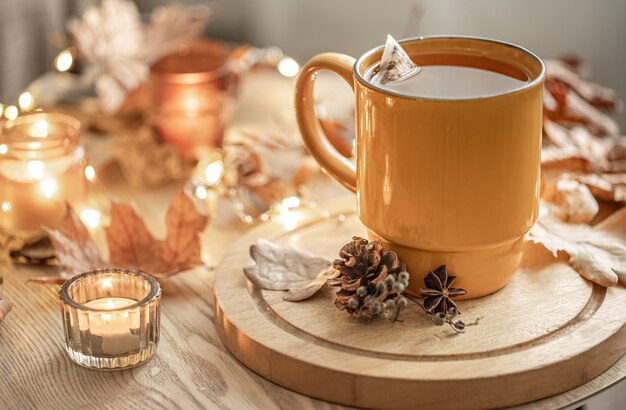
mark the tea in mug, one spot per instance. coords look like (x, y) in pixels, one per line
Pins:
(452, 82)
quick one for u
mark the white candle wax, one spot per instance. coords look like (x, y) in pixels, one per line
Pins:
(113, 330)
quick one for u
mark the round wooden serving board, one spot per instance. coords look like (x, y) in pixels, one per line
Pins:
(546, 332)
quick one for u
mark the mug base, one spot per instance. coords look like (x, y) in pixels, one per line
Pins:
(479, 271)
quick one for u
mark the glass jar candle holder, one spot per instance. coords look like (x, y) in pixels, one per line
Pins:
(111, 318)
(42, 167)
(190, 93)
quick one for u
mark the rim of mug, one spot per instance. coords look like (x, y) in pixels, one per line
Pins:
(539, 78)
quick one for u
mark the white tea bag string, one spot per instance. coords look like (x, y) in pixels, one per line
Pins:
(395, 65)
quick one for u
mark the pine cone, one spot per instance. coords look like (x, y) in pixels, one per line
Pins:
(371, 279)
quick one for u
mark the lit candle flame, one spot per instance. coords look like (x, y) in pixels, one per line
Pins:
(35, 169)
(106, 284)
(48, 187)
(40, 129)
(90, 217)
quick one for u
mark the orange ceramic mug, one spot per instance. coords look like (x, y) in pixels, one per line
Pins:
(440, 181)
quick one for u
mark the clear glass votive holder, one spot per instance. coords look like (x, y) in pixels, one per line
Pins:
(111, 318)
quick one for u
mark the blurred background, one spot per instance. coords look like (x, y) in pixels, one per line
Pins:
(594, 31)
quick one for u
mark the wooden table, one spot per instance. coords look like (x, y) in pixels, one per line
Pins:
(191, 368)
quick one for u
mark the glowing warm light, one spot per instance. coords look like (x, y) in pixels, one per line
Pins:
(125, 315)
(26, 101)
(213, 172)
(40, 129)
(3, 149)
(48, 187)
(6, 206)
(288, 219)
(106, 317)
(35, 169)
(11, 112)
(110, 305)
(291, 202)
(288, 67)
(106, 284)
(90, 173)
(90, 217)
(201, 192)
(64, 60)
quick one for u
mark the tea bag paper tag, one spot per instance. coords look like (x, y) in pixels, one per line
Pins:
(395, 64)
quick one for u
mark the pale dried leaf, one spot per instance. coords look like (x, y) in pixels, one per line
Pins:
(181, 248)
(594, 93)
(572, 201)
(74, 249)
(280, 268)
(172, 26)
(598, 253)
(608, 187)
(298, 294)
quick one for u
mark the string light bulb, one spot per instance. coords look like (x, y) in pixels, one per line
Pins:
(64, 60)
(11, 112)
(288, 67)
(26, 101)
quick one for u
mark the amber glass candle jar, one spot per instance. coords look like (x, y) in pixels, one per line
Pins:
(42, 167)
(190, 94)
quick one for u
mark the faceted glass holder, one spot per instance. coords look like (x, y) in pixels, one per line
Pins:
(111, 318)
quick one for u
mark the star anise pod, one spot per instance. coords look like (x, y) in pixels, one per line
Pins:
(439, 292)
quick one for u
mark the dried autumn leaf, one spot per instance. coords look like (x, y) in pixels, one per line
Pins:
(598, 253)
(132, 245)
(279, 268)
(130, 242)
(609, 187)
(572, 201)
(75, 251)
(181, 248)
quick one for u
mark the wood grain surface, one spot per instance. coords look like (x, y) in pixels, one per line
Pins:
(546, 332)
(191, 369)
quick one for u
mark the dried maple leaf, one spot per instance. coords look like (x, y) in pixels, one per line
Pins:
(598, 253)
(291, 269)
(572, 201)
(181, 248)
(130, 242)
(75, 250)
(132, 245)
(609, 187)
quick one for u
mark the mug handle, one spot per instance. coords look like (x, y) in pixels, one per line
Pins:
(331, 161)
